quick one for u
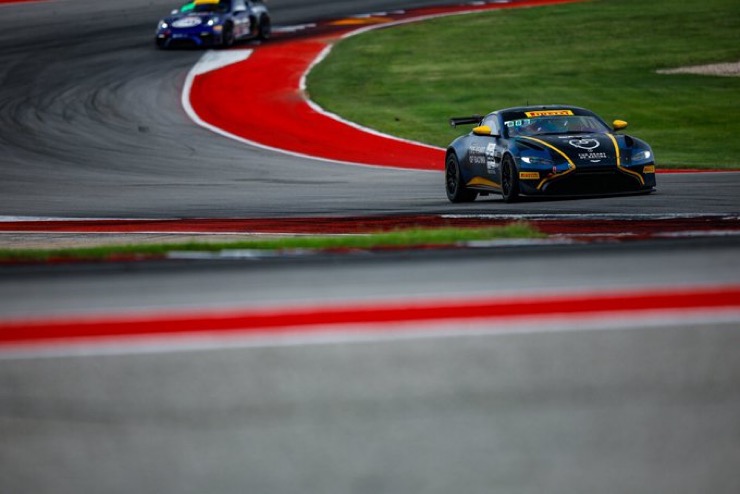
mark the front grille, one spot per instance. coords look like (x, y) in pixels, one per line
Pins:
(592, 182)
(182, 43)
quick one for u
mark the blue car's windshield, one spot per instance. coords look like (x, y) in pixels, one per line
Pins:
(573, 124)
(221, 6)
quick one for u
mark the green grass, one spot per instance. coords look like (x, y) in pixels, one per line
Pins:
(406, 238)
(603, 55)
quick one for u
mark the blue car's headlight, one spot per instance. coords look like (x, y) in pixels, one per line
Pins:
(215, 24)
(641, 155)
(533, 160)
(163, 25)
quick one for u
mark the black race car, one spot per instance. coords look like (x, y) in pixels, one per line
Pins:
(541, 150)
(214, 23)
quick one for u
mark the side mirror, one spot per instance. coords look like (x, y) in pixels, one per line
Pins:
(483, 130)
(619, 125)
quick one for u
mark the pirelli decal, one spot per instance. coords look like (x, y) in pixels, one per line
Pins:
(549, 113)
(529, 175)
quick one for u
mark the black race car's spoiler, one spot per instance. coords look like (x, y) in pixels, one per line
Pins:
(473, 119)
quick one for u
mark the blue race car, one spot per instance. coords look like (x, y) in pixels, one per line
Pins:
(545, 150)
(214, 23)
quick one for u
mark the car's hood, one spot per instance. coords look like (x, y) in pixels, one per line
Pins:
(581, 149)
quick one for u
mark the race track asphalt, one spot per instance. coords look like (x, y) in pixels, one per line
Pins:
(91, 126)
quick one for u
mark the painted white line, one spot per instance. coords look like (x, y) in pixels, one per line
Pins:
(215, 60)
(698, 233)
(293, 29)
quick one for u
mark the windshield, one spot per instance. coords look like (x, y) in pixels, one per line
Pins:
(573, 124)
(221, 6)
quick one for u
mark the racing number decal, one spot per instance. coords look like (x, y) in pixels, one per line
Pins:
(491, 164)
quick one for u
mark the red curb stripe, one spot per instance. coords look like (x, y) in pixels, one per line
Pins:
(315, 320)
(277, 116)
(365, 224)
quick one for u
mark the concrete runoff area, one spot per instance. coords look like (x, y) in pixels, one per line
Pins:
(573, 406)
(647, 409)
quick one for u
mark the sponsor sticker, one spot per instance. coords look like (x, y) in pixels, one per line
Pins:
(592, 156)
(190, 21)
(529, 175)
(588, 144)
(649, 169)
(549, 113)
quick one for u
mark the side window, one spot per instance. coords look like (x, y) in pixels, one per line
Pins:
(492, 121)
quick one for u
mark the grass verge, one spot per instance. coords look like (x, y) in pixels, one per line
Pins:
(603, 55)
(407, 238)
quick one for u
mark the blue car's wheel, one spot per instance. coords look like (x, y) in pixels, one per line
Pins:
(456, 190)
(509, 180)
(228, 36)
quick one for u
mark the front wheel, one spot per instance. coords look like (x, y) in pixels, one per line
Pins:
(456, 190)
(265, 28)
(228, 38)
(509, 180)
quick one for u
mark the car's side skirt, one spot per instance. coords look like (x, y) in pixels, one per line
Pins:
(480, 183)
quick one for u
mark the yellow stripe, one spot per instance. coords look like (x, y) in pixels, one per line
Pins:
(482, 181)
(619, 162)
(571, 165)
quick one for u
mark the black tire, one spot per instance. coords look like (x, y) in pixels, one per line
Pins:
(456, 190)
(265, 28)
(509, 180)
(227, 38)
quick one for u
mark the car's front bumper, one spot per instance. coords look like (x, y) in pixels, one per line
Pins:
(193, 38)
(592, 181)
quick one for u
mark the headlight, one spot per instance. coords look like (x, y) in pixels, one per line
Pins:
(641, 155)
(163, 25)
(531, 160)
(213, 21)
